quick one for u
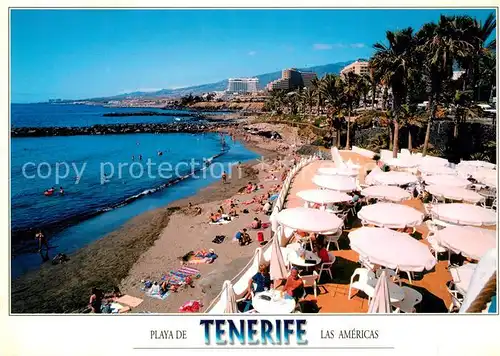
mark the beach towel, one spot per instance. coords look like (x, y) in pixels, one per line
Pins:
(220, 222)
(192, 306)
(218, 239)
(154, 292)
(132, 302)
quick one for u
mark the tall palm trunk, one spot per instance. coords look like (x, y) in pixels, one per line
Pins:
(348, 141)
(410, 143)
(374, 89)
(318, 105)
(395, 146)
(364, 101)
(390, 136)
(429, 122)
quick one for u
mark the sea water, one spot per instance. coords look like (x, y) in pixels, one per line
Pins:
(94, 205)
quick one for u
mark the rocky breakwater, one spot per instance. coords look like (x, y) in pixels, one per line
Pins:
(117, 129)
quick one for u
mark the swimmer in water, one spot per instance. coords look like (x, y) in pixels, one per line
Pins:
(133, 157)
(140, 157)
(61, 190)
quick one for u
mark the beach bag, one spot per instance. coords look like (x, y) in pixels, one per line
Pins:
(260, 236)
(245, 211)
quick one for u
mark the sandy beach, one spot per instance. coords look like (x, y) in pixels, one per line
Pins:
(150, 245)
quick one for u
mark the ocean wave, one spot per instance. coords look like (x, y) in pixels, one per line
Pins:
(21, 235)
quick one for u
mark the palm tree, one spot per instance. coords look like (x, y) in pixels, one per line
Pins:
(316, 85)
(332, 91)
(308, 99)
(393, 62)
(440, 45)
(374, 80)
(351, 96)
(477, 34)
(364, 84)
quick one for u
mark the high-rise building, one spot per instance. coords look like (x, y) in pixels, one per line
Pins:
(242, 85)
(292, 79)
(358, 67)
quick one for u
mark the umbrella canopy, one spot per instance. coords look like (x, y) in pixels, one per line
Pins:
(338, 183)
(433, 161)
(454, 193)
(330, 171)
(486, 176)
(309, 220)
(394, 216)
(447, 180)
(484, 270)
(229, 297)
(437, 170)
(380, 302)
(386, 192)
(471, 242)
(323, 196)
(391, 249)
(404, 162)
(477, 164)
(464, 214)
(277, 268)
(394, 178)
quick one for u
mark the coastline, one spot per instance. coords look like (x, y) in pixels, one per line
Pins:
(109, 261)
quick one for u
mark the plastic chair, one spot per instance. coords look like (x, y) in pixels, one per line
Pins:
(390, 273)
(311, 281)
(434, 245)
(333, 238)
(327, 266)
(363, 261)
(366, 282)
(411, 298)
(456, 298)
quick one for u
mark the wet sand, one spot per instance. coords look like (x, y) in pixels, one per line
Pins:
(148, 247)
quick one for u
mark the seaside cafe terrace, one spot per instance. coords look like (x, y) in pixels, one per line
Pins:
(420, 238)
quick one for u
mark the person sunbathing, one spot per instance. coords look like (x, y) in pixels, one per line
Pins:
(256, 223)
(243, 237)
(232, 211)
(249, 187)
(221, 209)
(266, 209)
(213, 218)
(218, 215)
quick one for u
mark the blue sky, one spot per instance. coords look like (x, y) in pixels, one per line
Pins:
(88, 53)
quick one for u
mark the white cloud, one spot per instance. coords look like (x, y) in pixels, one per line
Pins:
(252, 53)
(328, 46)
(322, 46)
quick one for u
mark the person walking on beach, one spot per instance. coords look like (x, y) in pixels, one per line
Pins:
(42, 242)
(96, 301)
(224, 177)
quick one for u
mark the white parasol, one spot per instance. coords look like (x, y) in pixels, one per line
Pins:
(386, 192)
(323, 196)
(394, 216)
(338, 183)
(454, 193)
(472, 242)
(394, 178)
(464, 214)
(392, 249)
(447, 180)
(309, 220)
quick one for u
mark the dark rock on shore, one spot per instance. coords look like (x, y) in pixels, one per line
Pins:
(117, 129)
(153, 113)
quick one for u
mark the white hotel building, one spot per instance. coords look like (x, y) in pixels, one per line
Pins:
(242, 85)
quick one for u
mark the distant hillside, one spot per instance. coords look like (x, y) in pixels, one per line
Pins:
(264, 79)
